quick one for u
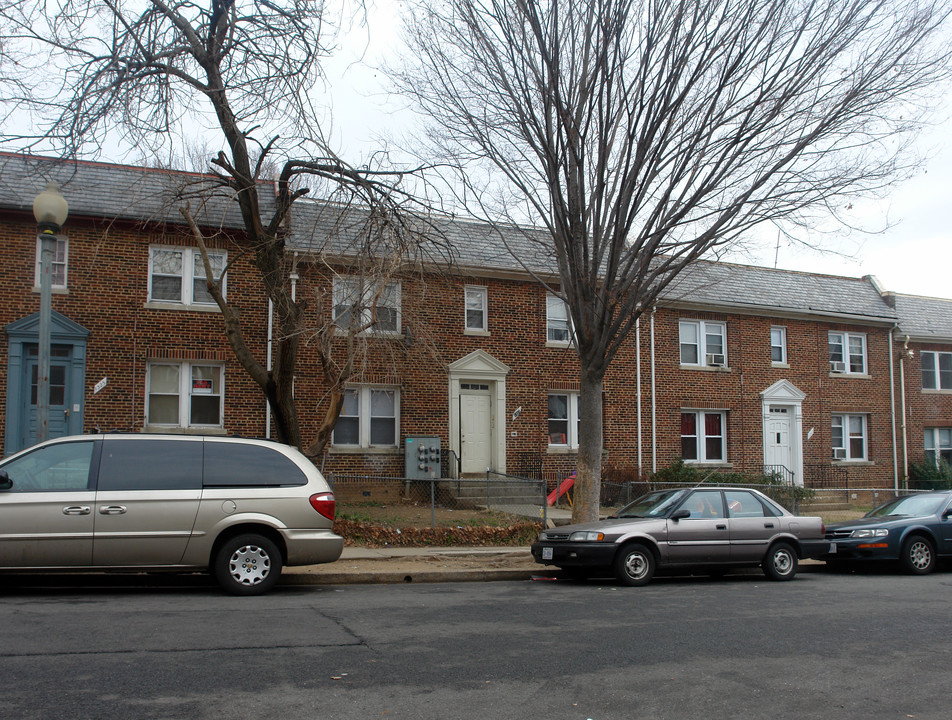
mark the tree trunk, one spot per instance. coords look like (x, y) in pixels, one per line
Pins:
(589, 471)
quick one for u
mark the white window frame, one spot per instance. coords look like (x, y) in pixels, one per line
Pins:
(185, 394)
(936, 370)
(844, 451)
(360, 293)
(60, 240)
(842, 361)
(558, 320)
(707, 354)
(480, 294)
(701, 437)
(572, 421)
(937, 446)
(188, 276)
(365, 418)
(778, 340)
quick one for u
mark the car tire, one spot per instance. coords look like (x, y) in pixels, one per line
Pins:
(781, 562)
(918, 556)
(247, 565)
(634, 565)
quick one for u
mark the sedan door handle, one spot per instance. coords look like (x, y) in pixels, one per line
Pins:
(721, 527)
(112, 510)
(768, 525)
(76, 510)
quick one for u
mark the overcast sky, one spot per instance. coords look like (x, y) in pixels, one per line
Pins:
(914, 256)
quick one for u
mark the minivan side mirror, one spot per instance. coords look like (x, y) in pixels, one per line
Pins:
(5, 482)
(681, 514)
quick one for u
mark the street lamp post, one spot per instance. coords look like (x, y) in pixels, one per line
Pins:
(50, 210)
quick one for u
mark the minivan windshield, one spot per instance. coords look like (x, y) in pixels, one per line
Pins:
(911, 505)
(654, 504)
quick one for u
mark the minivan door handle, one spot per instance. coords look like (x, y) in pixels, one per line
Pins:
(76, 510)
(721, 527)
(112, 510)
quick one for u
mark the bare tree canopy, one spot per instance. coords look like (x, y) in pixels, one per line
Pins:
(645, 134)
(248, 69)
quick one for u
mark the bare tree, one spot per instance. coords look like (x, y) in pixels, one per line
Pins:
(246, 69)
(645, 134)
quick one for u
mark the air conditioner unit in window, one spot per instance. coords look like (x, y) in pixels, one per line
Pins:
(716, 359)
(837, 366)
(839, 453)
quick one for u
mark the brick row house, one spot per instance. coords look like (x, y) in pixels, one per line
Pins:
(827, 378)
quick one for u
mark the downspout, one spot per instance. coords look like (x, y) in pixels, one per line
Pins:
(638, 386)
(892, 407)
(902, 404)
(654, 404)
(267, 405)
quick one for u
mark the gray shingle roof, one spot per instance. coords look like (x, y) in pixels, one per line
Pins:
(142, 194)
(746, 287)
(925, 319)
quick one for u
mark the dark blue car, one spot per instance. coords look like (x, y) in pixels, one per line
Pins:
(913, 529)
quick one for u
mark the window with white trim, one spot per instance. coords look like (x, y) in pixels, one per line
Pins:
(476, 299)
(177, 275)
(563, 420)
(849, 437)
(184, 394)
(703, 343)
(847, 353)
(938, 445)
(357, 301)
(936, 370)
(369, 418)
(778, 345)
(703, 436)
(58, 261)
(558, 320)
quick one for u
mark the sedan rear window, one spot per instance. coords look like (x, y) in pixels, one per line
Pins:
(240, 465)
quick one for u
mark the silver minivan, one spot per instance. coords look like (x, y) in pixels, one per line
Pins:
(239, 508)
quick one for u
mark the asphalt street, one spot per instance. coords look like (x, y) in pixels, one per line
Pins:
(823, 646)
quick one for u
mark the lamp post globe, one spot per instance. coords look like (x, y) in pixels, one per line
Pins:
(50, 210)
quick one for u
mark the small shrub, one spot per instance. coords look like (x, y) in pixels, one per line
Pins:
(930, 476)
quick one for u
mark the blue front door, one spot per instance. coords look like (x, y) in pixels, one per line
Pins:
(59, 393)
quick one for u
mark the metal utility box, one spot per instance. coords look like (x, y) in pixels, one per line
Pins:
(423, 458)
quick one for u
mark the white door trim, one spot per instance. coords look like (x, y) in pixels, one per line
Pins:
(784, 393)
(480, 367)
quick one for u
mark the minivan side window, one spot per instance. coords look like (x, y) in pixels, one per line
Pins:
(151, 465)
(237, 465)
(54, 468)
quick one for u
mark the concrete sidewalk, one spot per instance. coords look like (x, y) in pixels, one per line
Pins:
(360, 565)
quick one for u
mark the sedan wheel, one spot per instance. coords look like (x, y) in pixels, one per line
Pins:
(634, 565)
(780, 562)
(247, 565)
(918, 557)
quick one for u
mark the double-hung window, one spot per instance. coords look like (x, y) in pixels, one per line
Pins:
(177, 275)
(703, 436)
(778, 345)
(938, 445)
(703, 343)
(58, 261)
(367, 306)
(558, 321)
(847, 353)
(563, 420)
(184, 394)
(476, 304)
(849, 437)
(369, 418)
(936, 370)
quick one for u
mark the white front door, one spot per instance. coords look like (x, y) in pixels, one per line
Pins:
(778, 438)
(475, 422)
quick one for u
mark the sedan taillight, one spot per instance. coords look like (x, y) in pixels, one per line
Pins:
(324, 503)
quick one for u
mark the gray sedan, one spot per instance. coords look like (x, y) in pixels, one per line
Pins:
(714, 528)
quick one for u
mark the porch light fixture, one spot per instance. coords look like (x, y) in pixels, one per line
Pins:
(50, 210)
